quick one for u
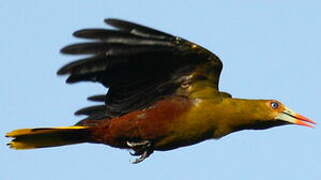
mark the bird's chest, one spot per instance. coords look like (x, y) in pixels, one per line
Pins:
(192, 127)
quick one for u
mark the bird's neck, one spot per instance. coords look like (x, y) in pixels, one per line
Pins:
(230, 115)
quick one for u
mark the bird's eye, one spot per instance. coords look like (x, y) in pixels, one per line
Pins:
(274, 105)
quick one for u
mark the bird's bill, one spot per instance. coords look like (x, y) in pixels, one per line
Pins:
(292, 117)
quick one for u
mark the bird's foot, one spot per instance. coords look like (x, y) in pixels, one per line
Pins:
(142, 157)
(143, 149)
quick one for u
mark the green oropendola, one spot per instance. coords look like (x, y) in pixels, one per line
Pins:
(162, 94)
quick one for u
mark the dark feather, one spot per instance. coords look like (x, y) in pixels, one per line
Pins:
(113, 36)
(84, 77)
(110, 49)
(139, 65)
(90, 110)
(100, 34)
(97, 98)
(91, 64)
(138, 29)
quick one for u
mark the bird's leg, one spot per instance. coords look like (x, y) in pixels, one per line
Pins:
(142, 149)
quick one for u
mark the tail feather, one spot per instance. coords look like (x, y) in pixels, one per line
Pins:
(48, 137)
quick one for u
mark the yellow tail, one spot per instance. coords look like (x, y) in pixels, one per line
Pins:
(48, 137)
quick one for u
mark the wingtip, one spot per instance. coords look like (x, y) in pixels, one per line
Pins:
(77, 33)
(118, 23)
(109, 21)
(106, 20)
(61, 72)
(64, 70)
(90, 33)
(67, 49)
(97, 98)
(71, 80)
(89, 110)
(73, 49)
(64, 50)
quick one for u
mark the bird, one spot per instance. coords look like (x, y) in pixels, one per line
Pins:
(162, 93)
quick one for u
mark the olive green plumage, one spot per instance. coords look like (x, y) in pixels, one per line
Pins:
(163, 93)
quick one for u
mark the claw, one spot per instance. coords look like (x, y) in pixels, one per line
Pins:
(143, 149)
(142, 157)
(135, 153)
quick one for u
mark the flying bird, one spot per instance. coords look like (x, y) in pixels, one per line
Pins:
(163, 93)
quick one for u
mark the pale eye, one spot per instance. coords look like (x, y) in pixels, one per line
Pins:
(274, 105)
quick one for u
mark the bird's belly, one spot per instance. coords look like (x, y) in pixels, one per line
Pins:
(179, 140)
(158, 124)
(184, 132)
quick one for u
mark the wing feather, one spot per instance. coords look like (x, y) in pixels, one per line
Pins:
(97, 98)
(138, 29)
(138, 64)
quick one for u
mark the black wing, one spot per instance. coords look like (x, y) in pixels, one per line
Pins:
(138, 64)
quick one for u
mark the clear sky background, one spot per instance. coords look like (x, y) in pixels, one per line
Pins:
(270, 49)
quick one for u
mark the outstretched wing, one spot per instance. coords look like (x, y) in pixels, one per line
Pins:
(138, 64)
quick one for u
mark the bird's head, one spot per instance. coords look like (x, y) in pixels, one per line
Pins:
(274, 113)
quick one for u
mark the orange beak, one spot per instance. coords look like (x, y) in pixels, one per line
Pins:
(292, 117)
(303, 121)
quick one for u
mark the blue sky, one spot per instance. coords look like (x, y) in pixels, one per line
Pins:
(270, 49)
